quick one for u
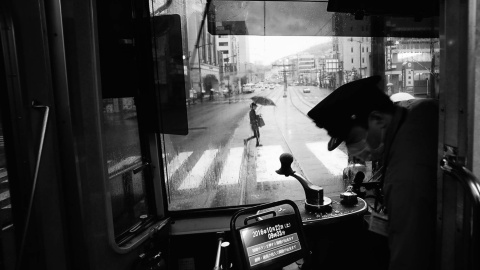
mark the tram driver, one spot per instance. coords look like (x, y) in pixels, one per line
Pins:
(403, 137)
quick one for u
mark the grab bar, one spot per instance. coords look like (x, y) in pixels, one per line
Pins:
(35, 178)
(219, 252)
(466, 178)
(471, 214)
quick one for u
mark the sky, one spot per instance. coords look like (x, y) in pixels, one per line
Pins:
(267, 49)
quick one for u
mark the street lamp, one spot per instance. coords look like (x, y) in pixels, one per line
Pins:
(199, 65)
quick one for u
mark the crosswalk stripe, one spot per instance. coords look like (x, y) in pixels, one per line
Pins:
(4, 195)
(231, 168)
(335, 161)
(268, 162)
(175, 163)
(195, 177)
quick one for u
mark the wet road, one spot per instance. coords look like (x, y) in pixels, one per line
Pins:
(211, 167)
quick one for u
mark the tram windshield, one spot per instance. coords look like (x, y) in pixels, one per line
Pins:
(285, 57)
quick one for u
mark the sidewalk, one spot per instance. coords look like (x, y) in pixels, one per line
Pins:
(217, 99)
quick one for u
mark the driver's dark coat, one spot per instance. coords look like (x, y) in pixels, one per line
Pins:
(410, 160)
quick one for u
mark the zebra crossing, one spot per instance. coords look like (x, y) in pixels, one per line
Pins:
(4, 190)
(231, 175)
(195, 177)
(266, 162)
(335, 161)
(188, 170)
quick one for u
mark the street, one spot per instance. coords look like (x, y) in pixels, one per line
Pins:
(211, 166)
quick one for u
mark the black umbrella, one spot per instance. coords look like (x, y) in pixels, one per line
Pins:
(263, 100)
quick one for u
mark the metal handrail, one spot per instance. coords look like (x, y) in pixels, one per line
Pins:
(471, 186)
(466, 178)
(35, 178)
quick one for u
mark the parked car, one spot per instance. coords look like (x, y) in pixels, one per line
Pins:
(306, 90)
(248, 88)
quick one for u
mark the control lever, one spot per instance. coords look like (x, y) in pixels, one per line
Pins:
(314, 199)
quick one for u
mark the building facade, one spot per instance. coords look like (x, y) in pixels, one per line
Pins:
(306, 69)
(202, 56)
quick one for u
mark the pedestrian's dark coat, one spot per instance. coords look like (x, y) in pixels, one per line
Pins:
(253, 118)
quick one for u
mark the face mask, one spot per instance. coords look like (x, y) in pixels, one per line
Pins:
(360, 150)
(364, 152)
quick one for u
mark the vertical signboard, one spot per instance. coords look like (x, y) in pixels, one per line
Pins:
(408, 76)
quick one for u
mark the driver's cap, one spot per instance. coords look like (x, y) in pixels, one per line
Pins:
(337, 112)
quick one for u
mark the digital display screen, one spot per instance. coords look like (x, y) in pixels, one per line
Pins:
(271, 241)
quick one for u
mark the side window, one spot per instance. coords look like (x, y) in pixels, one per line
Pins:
(124, 160)
(5, 205)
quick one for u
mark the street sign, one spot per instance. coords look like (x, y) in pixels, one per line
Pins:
(409, 77)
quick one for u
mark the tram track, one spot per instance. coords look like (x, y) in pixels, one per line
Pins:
(275, 97)
(280, 110)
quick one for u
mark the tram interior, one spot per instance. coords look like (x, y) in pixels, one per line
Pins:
(148, 156)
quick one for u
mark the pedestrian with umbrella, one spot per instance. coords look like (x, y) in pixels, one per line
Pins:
(253, 124)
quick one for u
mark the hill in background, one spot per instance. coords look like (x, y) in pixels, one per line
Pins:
(319, 49)
(316, 50)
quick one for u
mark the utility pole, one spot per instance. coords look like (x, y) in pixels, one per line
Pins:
(199, 70)
(284, 72)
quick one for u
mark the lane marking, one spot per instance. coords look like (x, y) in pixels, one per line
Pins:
(268, 162)
(4, 195)
(231, 168)
(176, 162)
(196, 175)
(3, 174)
(335, 161)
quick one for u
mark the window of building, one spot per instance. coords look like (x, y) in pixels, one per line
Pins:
(352, 60)
(351, 49)
(363, 49)
(363, 60)
(225, 52)
(223, 44)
